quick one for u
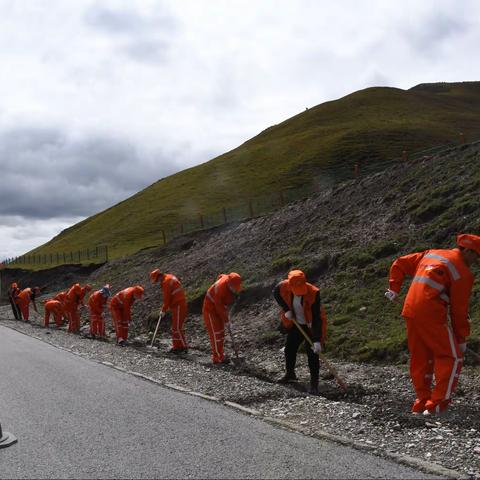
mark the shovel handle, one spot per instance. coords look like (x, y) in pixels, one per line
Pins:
(156, 329)
(341, 382)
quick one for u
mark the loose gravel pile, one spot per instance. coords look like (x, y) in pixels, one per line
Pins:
(374, 412)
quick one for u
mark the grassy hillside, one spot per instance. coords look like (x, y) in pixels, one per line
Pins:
(321, 143)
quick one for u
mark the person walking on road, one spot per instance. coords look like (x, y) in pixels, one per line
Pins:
(24, 298)
(440, 291)
(13, 292)
(54, 308)
(96, 304)
(173, 299)
(120, 308)
(300, 300)
(215, 314)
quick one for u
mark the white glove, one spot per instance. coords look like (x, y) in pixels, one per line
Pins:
(391, 295)
(462, 347)
(289, 315)
(317, 347)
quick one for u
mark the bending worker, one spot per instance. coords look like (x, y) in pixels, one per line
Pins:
(173, 299)
(24, 298)
(96, 304)
(73, 300)
(54, 308)
(440, 290)
(215, 315)
(120, 308)
(300, 300)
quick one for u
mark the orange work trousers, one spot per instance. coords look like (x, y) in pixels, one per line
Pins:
(73, 316)
(55, 310)
(120, 319)
(179, 313)
(25, 309)
(216, 330)
(433, 351)
(97, 323)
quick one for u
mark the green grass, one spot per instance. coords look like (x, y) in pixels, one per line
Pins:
(322, 143)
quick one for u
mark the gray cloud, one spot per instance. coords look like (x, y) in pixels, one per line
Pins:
(429, 34)
(45, 174)
(127, 20)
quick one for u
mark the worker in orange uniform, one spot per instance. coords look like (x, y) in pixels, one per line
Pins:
(120, 308)
(73, 300)
(54, 308)
(13, 292)
(440, 291)
(215, 314)
(173, 299)
(24, 298)
(300, 300)
(96, 304)
(62, 298)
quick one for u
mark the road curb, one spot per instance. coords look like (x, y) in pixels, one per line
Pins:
(414, 462)
(407, 460)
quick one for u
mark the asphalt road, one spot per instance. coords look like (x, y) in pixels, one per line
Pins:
(75, 418)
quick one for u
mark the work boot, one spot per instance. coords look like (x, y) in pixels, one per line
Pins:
(288, 377)
(178, 351)
(432, 408)
(313, 389)
(418, 406)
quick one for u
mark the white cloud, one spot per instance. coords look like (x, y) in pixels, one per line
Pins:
(103, 97)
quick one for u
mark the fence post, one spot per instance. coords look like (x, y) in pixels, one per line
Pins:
(71, 257)
(51, 259)
(462, 138)
(44, 258)
(281, 198)
(181, 228)
(250, 208)
(164, 238)
(88, 253)
(356, 169)
(64, 258)
(96, 251)
(405, 155)
(79, 256)
(58, 258)
(201, 221)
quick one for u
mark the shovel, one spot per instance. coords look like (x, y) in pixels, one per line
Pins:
(237, 360)
(157, 327)
(323, 359)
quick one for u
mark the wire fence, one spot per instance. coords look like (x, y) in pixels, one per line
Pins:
(328, 176)
(98, 254)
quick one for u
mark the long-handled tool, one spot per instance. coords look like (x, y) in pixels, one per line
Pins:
(341, 382)
(162, 314)
(237, 360)
(473, 353)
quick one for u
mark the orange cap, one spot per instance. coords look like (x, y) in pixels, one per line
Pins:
(472, 242)
(297, 282)
(235, 281)
(138, 291)
(155, 275)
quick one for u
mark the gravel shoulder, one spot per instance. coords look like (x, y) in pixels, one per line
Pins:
(373, 415)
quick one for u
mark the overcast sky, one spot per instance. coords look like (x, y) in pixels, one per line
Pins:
(101, 98)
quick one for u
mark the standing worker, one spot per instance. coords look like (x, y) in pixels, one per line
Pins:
(120, 308)
(173, 299)
(55, 308)
(300, 300)
(441, 287)
(13, 292)
(24, 298)
(96, 304)
(215, 315)
(72, 303)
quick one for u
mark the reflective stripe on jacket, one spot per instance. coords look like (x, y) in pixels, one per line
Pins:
(441, 279)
